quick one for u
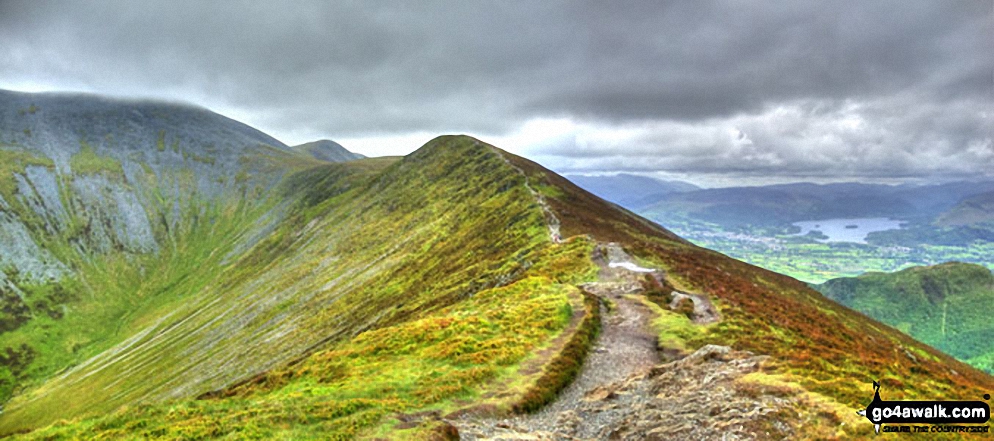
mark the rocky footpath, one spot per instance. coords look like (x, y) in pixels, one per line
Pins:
(697, 397)
(624, 393)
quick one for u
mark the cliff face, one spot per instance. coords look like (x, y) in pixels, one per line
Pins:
(115, 175)
(96, 195)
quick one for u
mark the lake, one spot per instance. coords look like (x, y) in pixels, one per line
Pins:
(848, 230)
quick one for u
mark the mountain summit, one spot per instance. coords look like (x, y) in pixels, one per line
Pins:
(150, 292)
(326, 150)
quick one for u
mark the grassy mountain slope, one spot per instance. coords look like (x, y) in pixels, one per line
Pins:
(946, 306)
(326, 150)
(301, 299)
(356, 251)
(112, 213)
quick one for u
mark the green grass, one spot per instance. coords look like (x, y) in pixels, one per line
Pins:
(88, 162)
(111, 296)
(675, 331)
(566, 364)
(13, 161)
(115, 296)
(363, 246)
(359, 386)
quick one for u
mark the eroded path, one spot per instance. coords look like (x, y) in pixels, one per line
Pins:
(551, 220)
(626, 347)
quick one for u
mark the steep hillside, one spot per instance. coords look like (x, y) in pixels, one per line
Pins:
(398, 298)
(326, 150)
(947, 306)
(972, 210)
(114, 211)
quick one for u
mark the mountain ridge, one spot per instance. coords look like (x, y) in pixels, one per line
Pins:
(309, 299)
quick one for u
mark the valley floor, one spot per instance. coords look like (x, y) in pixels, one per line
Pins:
(812, 261)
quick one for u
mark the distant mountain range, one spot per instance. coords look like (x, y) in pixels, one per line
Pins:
(948, 306)
(787, 203)
(630, 191)
(972, 210)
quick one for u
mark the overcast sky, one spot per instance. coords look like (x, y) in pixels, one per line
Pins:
(717, 93)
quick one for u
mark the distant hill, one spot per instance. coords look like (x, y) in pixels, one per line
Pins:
(326, 150)
(948, 306)
(630, 191)
(787, 203)
(972, 210)
(934, 200)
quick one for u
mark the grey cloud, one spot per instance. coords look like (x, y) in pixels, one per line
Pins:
(922, 72)
(883, 139)
(680, 62)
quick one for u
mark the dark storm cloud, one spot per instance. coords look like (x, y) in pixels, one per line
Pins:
(806, 87)
(684, 62)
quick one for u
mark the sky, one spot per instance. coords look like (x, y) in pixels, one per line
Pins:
(716, 93)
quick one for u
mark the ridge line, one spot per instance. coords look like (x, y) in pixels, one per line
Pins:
(551, 221)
